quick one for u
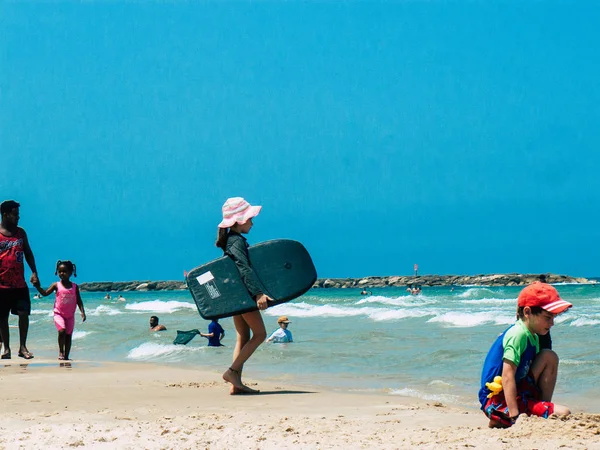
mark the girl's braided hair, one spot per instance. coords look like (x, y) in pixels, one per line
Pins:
(68, 264)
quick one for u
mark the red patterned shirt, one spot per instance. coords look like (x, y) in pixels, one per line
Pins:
(12, 270)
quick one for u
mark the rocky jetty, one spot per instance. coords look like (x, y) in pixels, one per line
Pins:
(510, 279)
(107, 286)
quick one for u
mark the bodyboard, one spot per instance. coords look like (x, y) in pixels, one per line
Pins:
(283, 267)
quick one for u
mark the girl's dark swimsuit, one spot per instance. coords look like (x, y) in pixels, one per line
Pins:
(237, 249)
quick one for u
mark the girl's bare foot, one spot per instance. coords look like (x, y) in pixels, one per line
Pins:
(246, 391)
(233, 376)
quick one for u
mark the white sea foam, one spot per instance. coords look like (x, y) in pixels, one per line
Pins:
(104, 310)
(80, 334)
(477, 292)
(284, 307)
(296, 310)
(440, 384)
(563, 318)
(491, 301)
(159, 306)
(42, 312)
(381, 315)
(472, 319)
(576, 362)
(407, 300)
(150, 350)
(584, 321)
(378, 314)
(407, 392)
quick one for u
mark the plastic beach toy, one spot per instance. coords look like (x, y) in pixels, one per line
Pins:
(495, 386)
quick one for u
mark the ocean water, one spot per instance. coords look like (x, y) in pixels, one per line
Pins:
(430, 346)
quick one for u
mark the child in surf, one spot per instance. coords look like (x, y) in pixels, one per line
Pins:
(67, 300)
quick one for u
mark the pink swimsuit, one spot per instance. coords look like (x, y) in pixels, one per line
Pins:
(64, 307)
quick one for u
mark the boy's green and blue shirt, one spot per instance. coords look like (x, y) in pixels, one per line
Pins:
(516, 344)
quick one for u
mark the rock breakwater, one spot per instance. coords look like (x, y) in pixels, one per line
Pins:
(511, 279)
(107, 286)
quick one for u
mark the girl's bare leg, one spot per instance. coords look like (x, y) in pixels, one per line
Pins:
(68, 340)
(243, 336)
(61, 344)
(245, 347)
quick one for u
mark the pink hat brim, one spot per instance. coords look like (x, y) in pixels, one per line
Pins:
(250, 212)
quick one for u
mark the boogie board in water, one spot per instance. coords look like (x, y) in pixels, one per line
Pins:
(283, 267)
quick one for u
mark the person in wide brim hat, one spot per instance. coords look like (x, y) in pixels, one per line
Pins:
(250, 327)
(282, 334)
(237, 210)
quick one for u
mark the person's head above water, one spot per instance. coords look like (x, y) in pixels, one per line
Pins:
(283, 321)
(155, 326)
(237, 215)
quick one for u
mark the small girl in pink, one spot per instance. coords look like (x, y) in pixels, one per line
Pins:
(67, 300)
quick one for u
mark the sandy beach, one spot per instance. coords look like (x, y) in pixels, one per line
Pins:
(129, 406)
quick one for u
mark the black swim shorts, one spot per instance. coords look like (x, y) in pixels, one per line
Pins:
(15, 300)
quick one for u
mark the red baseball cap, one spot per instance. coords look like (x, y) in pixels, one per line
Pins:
(543, 295)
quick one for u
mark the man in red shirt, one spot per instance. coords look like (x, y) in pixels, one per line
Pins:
(14, 294)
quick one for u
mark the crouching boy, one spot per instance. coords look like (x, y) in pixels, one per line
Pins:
(528, 375)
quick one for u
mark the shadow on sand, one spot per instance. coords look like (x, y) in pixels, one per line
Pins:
(284, 392)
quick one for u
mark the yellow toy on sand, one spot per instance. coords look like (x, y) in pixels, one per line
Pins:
(495, 386)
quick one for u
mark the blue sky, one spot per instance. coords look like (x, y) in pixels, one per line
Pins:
(462, 136)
